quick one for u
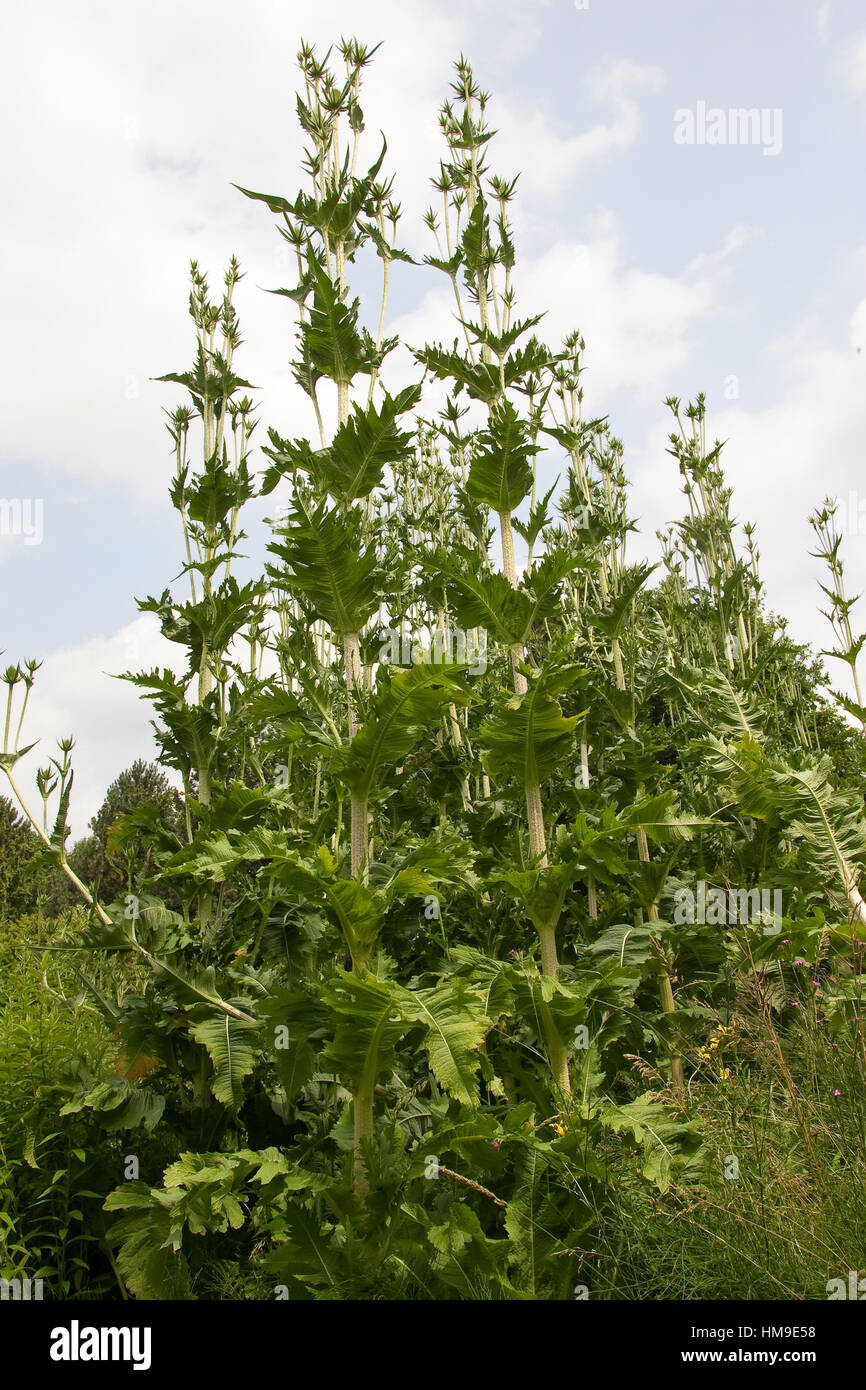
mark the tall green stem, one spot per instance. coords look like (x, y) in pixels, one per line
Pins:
(666, 989)
(537, 841)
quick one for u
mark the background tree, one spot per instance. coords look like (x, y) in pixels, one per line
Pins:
(141, 784)
(18, 880)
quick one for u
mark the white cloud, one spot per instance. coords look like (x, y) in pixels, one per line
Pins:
(549, 160)
(823, 20)
(117, 165)
(738, 237)
(76, 693)
(781, 461)
(637, 323)
(854, 65)
(123, 132)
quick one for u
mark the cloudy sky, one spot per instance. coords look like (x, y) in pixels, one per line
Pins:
(688, 257)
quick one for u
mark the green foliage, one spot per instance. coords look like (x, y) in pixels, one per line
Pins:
(501, 473)
(18, 847)
(397, 999)
(406, 705)
(335, 576)
(528, 736)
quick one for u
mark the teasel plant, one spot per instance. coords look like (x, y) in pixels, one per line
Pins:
(331, 559)
(526, 735)
(327, 228)
(707, 535)
(529, 394)
(56, 778)
(425, 918)
(848, 647)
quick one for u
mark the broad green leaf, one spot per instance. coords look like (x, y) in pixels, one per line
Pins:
(500, 475)
(528, 736)
(456, 1027)
(406, 706)
(543, 891)
(233, 1047)
(328, 563)
(372, 1016)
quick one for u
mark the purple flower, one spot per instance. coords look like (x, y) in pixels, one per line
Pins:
(494, 1143)
(794, 1004)
(837, 1093)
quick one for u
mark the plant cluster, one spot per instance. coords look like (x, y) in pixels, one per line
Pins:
(399, 987)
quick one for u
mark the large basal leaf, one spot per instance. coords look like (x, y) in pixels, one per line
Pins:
(530, 1243)
(661, 821)
(827, 821)
(445, 857)
(296, 1022)
(202, 1193)
(307, 1254)
(630, 945)
(148, 1265)
(374, 1014)
(543, 891)
(119, 1104)
(669, 1145)
(357, 908)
